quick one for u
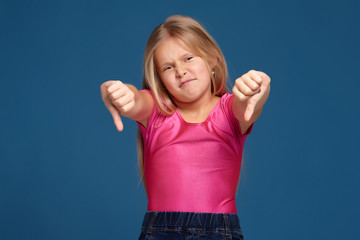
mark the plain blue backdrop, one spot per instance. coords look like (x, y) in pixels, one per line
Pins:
(65, 171)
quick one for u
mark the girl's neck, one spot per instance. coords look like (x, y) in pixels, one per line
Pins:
(197, 111)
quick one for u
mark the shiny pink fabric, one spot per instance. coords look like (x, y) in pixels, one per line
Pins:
(193, 167)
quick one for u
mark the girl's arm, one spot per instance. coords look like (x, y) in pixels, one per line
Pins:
(125, 99)
(251, 92)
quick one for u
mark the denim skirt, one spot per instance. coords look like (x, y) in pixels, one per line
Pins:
(190, 225)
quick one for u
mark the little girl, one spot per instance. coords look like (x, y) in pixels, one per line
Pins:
(192, 131)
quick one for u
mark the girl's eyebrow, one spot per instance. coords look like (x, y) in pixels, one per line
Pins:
(181, 57)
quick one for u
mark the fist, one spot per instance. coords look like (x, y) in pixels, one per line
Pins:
(119, 95)
(118, 99)
(251, 91)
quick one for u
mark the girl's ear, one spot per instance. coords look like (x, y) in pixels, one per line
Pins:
(212, 61)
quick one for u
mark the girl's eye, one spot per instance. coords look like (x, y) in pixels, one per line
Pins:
(189, 58)
(167, 68)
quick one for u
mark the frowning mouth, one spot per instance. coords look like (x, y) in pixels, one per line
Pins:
(184, 83)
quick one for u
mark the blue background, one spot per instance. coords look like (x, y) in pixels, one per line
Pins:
(66, 173)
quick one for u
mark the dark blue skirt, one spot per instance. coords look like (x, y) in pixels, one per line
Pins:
(190, 225)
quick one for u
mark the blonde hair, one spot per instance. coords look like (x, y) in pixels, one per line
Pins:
(196, 38)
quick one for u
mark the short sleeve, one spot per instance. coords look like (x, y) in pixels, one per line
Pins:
(229, 98)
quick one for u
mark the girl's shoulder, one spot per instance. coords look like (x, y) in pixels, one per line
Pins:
(226, 105)
(155, 114)
(226, 101)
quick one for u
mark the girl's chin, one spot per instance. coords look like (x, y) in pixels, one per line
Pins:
(187, 99)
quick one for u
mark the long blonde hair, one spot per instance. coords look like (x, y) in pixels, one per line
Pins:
(194, 36)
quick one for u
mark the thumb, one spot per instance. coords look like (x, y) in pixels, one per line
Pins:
(115, 113)
(248, 112)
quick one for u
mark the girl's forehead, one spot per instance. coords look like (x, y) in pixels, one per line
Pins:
(171, 48)
(173, 44)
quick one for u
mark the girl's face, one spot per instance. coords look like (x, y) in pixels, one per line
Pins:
(184, 74)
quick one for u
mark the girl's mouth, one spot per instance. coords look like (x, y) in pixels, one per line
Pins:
(184, 83)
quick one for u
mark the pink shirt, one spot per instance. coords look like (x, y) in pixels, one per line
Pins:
(193, 167)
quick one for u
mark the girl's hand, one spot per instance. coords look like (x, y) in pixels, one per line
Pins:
(251, 91)
(118, 99)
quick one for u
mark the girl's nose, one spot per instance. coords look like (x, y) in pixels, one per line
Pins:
(180, 70)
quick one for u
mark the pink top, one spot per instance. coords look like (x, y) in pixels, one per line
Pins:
(193, 167)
